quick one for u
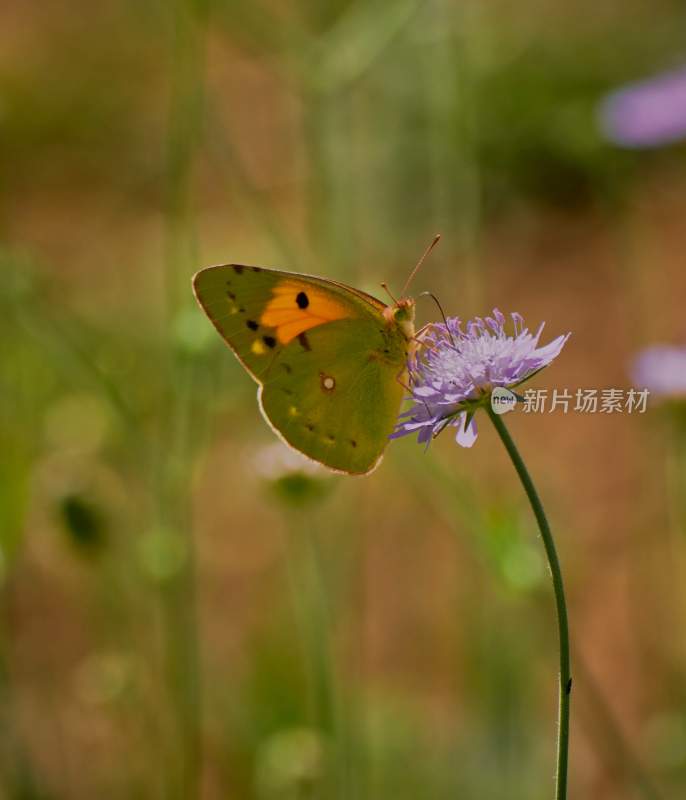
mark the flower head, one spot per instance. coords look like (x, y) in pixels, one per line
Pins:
(649, 113)
(662, 370)
(458, 368)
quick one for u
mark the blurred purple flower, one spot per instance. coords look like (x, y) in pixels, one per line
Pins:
(648, 113)
(457, 369)
(662, 369)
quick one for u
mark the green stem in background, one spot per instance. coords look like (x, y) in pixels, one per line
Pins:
(312, 606)
(310, 598)
(183, 768)
(558, 587)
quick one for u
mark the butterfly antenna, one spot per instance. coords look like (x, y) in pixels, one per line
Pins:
(384, 286)
(433, 244)
(440, 308)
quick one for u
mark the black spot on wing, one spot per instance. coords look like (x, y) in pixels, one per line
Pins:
(287, 368)
(302, 300)
(252, 324)
(304, 341)
(238, 269)
(353, 443)
(270, 341)
(231, 295)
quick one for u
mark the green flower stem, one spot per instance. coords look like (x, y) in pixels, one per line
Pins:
(558, 587)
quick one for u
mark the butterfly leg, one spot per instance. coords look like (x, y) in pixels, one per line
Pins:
(422, 331)
(399, 379)
(408, 389)
(417, 341)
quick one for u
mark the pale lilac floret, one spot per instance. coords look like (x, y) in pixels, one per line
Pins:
(648, 113)
(662, 370)
(458, 367)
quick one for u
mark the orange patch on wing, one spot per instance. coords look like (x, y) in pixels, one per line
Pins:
(284, 313)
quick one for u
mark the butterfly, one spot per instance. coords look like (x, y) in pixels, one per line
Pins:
(329, 360)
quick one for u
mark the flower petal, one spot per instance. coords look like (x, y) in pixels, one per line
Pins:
(466, 434)
(550, 351)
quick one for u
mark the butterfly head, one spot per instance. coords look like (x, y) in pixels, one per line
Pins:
(401, 313)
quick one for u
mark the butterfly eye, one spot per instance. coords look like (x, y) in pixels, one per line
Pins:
(403, 313)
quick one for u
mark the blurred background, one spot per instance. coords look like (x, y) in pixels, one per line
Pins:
(186, 614)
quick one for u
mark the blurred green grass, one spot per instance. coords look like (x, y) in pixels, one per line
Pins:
(150, 642)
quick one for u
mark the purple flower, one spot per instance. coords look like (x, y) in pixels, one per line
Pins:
(662, 369)
(456, 371)
(648, 113)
